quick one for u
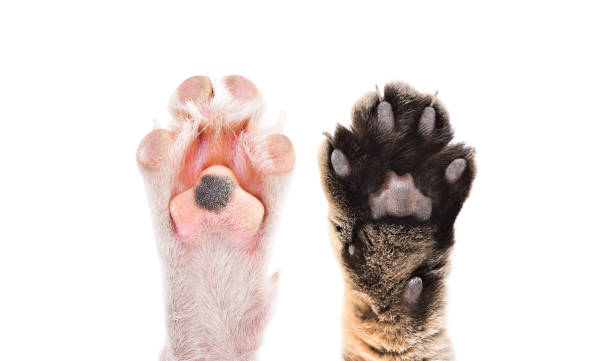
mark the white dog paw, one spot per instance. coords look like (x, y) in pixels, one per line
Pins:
(213, 181)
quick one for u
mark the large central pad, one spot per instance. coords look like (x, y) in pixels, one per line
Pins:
(217, 204)
(399, 197)
(213, 192)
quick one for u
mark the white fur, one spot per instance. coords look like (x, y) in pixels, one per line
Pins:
(217, 297)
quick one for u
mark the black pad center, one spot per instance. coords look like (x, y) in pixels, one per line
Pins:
(213, 192)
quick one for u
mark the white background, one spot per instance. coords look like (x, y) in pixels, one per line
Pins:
(526, 83)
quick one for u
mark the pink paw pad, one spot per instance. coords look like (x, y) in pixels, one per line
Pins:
(217, 205)
(153, 148)
(198, 90)
(241, 87)
(221, 176)
(279, 154)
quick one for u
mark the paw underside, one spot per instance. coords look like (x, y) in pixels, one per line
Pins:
(213, 181)
(395, 185)
(395, 161)
(215, 164)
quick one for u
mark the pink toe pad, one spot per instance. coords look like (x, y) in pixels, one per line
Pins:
(153, 149)
(280, 155)
(197, 88)
(241, 87)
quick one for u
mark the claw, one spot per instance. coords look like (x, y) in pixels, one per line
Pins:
(378, 92)
(433, 100)
(274, 277)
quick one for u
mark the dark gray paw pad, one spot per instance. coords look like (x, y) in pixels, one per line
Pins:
(399, 197)
(340, 163)
(454, 170)
(427, 121)
(413, 290)
(385, 117)
(213, 192)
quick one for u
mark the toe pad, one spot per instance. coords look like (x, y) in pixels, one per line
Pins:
(340, 163)
(413, 290)
(427, 121)
(153, 149)
(454, 170)
(385, 116)
(197, 89)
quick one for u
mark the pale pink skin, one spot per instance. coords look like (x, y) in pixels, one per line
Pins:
(218, 295)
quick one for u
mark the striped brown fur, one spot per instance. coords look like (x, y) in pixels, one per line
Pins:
(379, 256)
